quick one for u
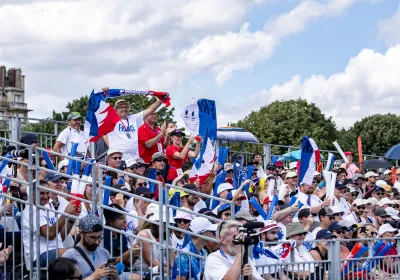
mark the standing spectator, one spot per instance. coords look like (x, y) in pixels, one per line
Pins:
(258, 158)
(72, 134)
(125, 134)
(325, 219)
(62, 166)
(227, 262)
(189, 267)
(177, 154)
(350, 167)
(228, 168)
(30, 139)
(152, 139)
(50, 239)
(158, 161)
(339, 200)
(114, 158)
(370, 176)
(91, 235)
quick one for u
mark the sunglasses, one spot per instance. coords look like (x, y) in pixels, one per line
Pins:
(302, 234)
(331, 218)
(316, 182)
(354, 194)
(180, 221)
(361, 207)
(116, 158)
(240, 199)
(338, 215)
(140, 166)
(373, 233)
(380, 194)
(142, 184)
(396, 206)
(340, 231)
(160, 160)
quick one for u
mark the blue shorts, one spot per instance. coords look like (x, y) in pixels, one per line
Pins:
(50, 255)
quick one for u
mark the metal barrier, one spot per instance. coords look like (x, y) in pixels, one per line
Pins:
(146, 256)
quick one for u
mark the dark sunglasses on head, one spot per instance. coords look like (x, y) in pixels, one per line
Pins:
(179, 221)
(361, 207)
(144, 184)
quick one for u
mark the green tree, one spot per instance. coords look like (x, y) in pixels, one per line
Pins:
(286, 122)
(378, 133)
(138, 103)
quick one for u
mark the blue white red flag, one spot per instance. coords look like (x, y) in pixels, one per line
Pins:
(309, 157)
(278, 252)
(101, 118)
(115, 93)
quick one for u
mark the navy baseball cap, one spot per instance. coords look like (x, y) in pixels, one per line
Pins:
(324, 234)
(340, 185)
(335, 226)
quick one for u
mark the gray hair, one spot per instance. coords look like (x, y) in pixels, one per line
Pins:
(225, 227)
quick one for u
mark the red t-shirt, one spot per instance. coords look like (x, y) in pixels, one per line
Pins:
(174, 164)
(145, 133)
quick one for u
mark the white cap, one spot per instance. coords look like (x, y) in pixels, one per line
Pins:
(385, 201)
(359, 202)
(370, 174)
(151, 209)
(224, 186)
(380, 183)
(386, 228)
(317, 173)
(228, 166)
(291, 174)
(373, 200)
(392, 212)
(268, 225)
(387, 172)
(293, 165)
(62, 164)
(183, 215)
(156, 216)
(113, 151)
(130, 162)
(242, 195)
(336, 209)
(352, 189)
(200, 224)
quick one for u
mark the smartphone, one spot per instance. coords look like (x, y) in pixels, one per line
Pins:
(111, 261)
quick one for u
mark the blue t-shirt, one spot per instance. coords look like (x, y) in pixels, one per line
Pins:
(181, 264)
(113, 244)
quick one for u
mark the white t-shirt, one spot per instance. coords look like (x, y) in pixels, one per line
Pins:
(46, 218)
(131, 226)
(69, 136)
(124, 137)
(301, 255)
(344, 205)
(199, 205)
(217, 266)
(61, 207)
(314, 201)
(353, 218)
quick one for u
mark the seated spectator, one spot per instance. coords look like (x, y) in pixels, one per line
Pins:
(86, 208)
(320, 251)
(177, 154)
(118, 198)
(381, 216)
(226, 263)
(389, 264)
(228, 168)
(191, 199)
(326, 217)
(295, 231)
(307, 220)
(189, 267)
(244, 217)
(62, 166)
(224, 212)
(339, 231)
(114, 158)
(153, 139)
(50, 239)
(357, 209)
(139, 167)
(64, 269)
(72, 133)
(58, 183)
(182, 221)
(91, 258)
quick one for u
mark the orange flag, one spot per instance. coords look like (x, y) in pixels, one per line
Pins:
(393, 174)
(319, 169)
(360, 157)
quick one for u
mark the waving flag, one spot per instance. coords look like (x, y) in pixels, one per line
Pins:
(198, 116)
(309, 157)
(278, 252)
(204, 163)
(101, 118)
(114, 93)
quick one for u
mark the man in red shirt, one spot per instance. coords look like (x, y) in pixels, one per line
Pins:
(152, 139)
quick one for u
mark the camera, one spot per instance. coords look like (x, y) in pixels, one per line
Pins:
(250, 232)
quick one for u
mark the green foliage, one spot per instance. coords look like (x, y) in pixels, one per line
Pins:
(378, 134)
(286, 122)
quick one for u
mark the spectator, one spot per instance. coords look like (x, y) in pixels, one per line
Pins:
(307, 220)
(357, 209)
(139, 167)
(138, 209)
(118, 198)
(244, 217)
(326, 217)
(339, 200)
(293, 166)
(390, 263)
(124, 137)
(62, 166)
(350, 167)
(64, 269)
(258, 159)
(295, 231)
(86, 208)
(114, 158)
(91, 258)
(50, 240)
(371, 181)
(153, 139)
(387, 176)
(158, 161)
(224, 212)
(115, 242)
(177, 154)
(182, 221)
(57, 183)
(227, 262)
(30, 139)
(381, 216)
(191, 199)
(337, 213)
(341, 175)
(189, 267)
(228, 168)
(72, 134)
(223, 190)
(306, 197)
(339, 231)
(385, 202)
(353, 194)
(291, 187)
(320, 251)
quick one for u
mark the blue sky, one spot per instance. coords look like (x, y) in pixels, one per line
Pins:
(244, 54)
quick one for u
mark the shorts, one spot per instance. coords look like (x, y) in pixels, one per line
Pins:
(50, 255)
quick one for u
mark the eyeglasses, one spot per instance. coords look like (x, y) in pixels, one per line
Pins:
(116, 158)
(180, 221)
(338, 215)
(354, 194)
(340, 231)
(361, 207)
(331, 218)
(380, 194)
(373, 233)
(302, 234)
(127, 197)
(316, 182)
(144, 184)
(160, 160)
(95, 238)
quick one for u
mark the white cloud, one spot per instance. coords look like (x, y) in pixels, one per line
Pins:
(368, 85)
(388, 29)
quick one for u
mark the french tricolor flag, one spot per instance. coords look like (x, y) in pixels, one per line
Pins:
(101, 118)
(310, 156)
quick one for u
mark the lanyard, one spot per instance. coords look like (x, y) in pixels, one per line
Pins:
(127, 121)
(223, 254)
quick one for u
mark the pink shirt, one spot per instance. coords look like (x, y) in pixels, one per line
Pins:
(351, 170)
